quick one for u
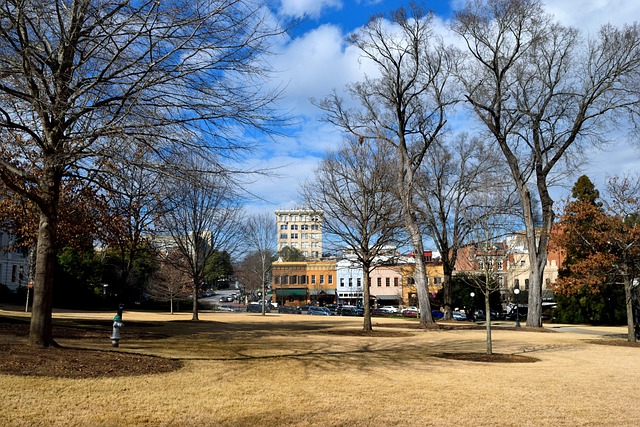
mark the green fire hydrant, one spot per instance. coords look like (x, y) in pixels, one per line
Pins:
(117, 324)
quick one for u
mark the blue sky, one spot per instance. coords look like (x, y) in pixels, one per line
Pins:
(315, 60)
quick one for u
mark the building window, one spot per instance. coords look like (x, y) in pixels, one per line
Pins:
(516, 284)
(341, 282)
(276, 280)
(14, 273)
(304, 236)
(304, 280)
(294, 227)
(387, 281)
(330, 279)
(284, 236)
(359, 282)
(322, 279)
(314, 236)
(285, 280)
(294, 235)
(314, 244)
(526, 284)
(304, 217)
(350, 282)
(522, 263)
(304, 227)
(294, 280)
(283, 217)
(411, 281)
(294, 245)
(304, 245)
(315, 227)
(315, 218)
(305, 254)
(316, 254)
(379, 282)
(313, 279)
(283, 226)
(395, 282)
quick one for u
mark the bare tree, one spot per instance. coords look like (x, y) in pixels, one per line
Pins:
(131, 194)
(449, 182)
(202, 218)
(404, 107)
(78, 75)
(169, 284)
(351, 188)
(260, 234)
(543, 93)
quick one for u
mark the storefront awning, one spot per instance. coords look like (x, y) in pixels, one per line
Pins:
(388, 297)
(290, 292)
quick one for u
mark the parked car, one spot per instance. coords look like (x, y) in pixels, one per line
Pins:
(224, 307)
(349, 310)
(290, 309)
(411, 311)
(319, 311)
(226, 298)
(391, 309)
(256, 307)
(456, 315)
(380, 312)
(334, 308)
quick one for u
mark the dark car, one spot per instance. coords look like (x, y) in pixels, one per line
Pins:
(319, 311)
(289, 309)
(255, 307)
(334, 308)
(380, 312)
(351, 311)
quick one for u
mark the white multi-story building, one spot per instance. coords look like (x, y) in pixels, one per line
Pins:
(300, 229)
(349, 282)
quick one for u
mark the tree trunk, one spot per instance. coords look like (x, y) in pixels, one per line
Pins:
(631, 336)
(447, 296)
(487, 315)
(420, 274)
(40, 330)
(194, 317)
(367, 326)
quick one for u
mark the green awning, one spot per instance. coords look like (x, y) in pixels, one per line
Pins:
(290, 292)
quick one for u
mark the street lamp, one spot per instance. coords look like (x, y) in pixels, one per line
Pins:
(516, 292)
(473, 307)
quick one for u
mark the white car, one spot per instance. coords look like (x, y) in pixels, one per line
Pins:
(390, 309)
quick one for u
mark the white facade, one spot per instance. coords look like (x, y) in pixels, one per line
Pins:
(349, 282)
(14, 265)
(300, 229)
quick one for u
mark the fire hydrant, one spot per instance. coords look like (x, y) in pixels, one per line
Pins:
(117, 324)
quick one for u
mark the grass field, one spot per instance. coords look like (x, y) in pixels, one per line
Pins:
(295, 370)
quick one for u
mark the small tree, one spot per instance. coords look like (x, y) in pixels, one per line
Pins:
(260, 235)
(352, 189)
(202, 218)
(169, 284)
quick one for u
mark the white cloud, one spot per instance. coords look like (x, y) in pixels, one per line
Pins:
(590, 15)
(307, 8)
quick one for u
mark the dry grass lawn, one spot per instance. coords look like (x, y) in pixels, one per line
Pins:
(294, 370)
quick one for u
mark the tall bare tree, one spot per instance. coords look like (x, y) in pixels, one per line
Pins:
(78, 75)
(351, 187)
(260, 234)
(404, 107)
(543, 93)
(453, 175)
(202, 218)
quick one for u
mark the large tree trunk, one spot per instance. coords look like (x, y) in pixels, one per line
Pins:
(40, 330)
(420, 274)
